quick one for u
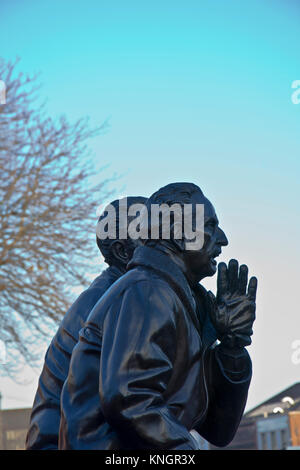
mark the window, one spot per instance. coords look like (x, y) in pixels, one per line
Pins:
(284, 438)
(264, 444)
(273, 440)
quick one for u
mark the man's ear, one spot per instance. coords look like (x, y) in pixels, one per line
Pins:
(120, 251)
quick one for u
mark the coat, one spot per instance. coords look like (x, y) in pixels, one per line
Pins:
(147, 369)
(45, 415)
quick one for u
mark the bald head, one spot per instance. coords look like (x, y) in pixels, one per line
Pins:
(199, 259)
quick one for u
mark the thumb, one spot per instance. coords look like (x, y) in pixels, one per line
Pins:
(211, 300)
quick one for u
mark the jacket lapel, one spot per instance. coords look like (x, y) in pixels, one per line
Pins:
(209, 334)
(162, 264)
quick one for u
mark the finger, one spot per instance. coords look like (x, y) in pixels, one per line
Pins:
(233, 268)
(211, 305)
(252, 287)
(211, 297)
(243, 279)
(222, 282)
(210, 301)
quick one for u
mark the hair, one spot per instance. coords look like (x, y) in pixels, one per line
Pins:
(105, 245)
(180, 193)
(173, 193)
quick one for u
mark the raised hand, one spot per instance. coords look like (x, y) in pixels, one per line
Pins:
(232, 312)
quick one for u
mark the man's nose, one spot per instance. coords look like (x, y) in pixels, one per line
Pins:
(222, 239)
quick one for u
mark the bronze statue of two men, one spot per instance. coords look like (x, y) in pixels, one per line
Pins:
(146, 355)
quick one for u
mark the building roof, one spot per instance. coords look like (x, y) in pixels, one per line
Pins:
(284, 401)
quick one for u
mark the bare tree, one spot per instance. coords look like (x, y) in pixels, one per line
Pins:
(47, 214)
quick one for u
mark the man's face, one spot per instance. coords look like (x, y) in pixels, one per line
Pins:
(202, 263)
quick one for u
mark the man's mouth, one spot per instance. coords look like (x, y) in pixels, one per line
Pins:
(215, 255)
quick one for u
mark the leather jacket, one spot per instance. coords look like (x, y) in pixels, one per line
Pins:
(147, 369)
(45, 415)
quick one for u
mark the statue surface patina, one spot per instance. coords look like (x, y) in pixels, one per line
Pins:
(159, 356)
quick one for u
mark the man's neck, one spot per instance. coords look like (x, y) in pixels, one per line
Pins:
(177, 258)
(120, 267)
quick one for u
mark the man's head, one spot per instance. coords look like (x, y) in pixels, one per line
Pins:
(119, 251)
(199, 263)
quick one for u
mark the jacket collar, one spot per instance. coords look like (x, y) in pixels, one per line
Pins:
(209, 334)
(162, 264)
(110, 275)
(114, 272)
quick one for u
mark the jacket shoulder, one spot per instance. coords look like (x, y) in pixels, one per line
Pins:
(141, 284)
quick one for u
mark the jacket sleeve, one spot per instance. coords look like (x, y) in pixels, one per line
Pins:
(228, 380)
(138, 354)
(45, 415)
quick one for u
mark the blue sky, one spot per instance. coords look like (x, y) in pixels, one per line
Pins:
(194, 91)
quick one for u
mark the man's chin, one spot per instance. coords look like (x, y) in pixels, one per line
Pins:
(212, 270)
(209, 271)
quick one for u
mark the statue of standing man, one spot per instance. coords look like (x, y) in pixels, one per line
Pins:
(160, 356)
